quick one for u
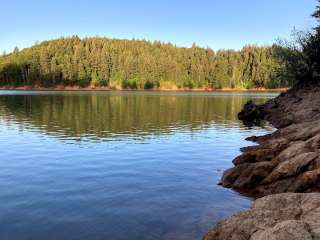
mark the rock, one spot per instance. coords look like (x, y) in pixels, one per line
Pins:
(282, 157)
(291, 229)
(290, 167)
(251, 113)
(287, 153)
(299, 104)
(287, 216)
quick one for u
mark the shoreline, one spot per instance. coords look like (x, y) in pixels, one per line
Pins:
(63, 88)
(282, 171)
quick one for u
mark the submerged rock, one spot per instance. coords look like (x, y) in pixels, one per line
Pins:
(287, 216)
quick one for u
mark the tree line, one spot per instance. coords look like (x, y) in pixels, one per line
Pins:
(140, 64)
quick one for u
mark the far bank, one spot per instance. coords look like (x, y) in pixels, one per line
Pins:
(77, 88)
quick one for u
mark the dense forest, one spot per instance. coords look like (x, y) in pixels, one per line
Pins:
(139, 64)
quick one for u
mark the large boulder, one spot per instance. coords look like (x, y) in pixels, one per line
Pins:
(286, 216)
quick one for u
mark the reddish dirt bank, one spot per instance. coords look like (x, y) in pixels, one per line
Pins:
(57, 88)
(76, 88)
(287, 163)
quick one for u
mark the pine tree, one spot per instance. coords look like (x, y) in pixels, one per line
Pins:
(140, 64)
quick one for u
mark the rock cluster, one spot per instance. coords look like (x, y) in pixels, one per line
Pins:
(287, 160)
(284, 166)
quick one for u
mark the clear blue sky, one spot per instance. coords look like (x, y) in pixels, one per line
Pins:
(214, 23)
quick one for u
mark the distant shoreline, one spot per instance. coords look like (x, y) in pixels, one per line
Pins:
(70, 88)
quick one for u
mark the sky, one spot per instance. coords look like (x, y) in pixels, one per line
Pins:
(228, 24)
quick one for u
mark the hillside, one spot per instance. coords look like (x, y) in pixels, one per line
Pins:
(138, 64)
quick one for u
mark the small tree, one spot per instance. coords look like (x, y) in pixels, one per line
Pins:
(302, 56)
(314, 44)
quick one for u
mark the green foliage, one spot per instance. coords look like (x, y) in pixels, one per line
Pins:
(133, 64)
(129, 84)
(148, 85)
(301, 57)
(189, 84)
(316, 14)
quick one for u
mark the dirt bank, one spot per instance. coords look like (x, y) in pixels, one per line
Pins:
(77, 88)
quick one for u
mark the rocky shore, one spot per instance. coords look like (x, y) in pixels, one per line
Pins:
(284, 166)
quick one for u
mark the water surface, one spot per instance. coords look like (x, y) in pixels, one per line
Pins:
(118, 165)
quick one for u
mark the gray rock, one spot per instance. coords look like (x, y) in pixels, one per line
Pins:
(287, 216)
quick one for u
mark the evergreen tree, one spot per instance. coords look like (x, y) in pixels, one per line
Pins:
(141, 64)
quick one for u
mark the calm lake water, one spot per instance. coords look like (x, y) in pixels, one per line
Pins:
(118, 165)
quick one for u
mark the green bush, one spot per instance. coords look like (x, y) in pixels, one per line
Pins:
(189, 84)
(148, 85)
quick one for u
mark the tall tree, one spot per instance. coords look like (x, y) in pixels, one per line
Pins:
(140, 64)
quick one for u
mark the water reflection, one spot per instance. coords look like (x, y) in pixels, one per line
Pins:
(82, 116)
(104, 165)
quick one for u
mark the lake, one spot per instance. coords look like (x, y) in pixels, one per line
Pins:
(118, 165)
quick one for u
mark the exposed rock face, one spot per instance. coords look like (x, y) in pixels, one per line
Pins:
(298, 105)
(287, 160)
(288, 216)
